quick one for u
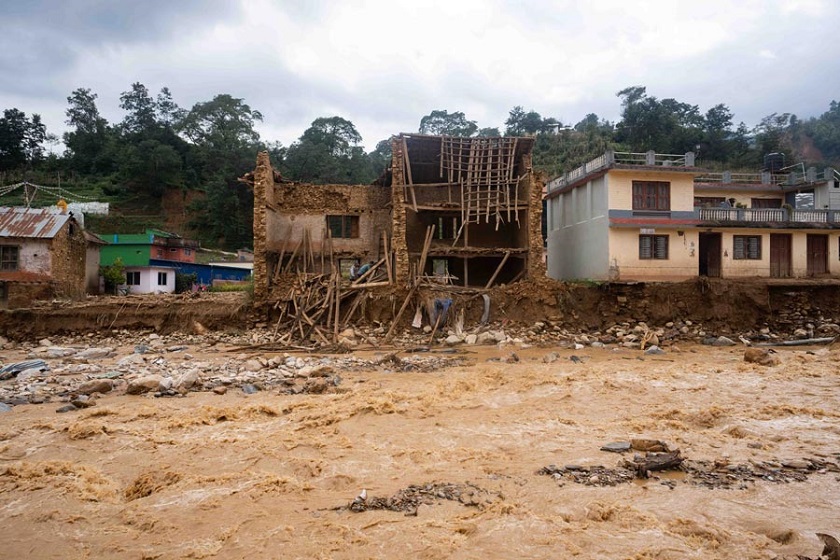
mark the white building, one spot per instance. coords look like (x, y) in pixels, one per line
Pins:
(149, 279)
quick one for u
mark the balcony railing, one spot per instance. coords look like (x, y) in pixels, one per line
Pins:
(767, 215)
(610, 158)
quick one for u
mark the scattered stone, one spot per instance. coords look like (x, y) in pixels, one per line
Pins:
(95, 386)
(67, 408)
(32, 373)
(551, 357)
(250, 389)
(252, 365)
(187, 381)
(723, 341)
(617, 447)
(82, 401)
(650, 445)
(471, 339)
(220, 390)
(4, 407)
(141, 349)
(760, 356)
(45, 342)
(94, 353)
(453, 339)
(143, 385)
(654, 350)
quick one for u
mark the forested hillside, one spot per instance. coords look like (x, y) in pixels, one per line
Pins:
(163, 159)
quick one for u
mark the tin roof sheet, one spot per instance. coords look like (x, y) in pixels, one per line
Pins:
(30, 222)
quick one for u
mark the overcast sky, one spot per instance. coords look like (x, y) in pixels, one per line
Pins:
(383, 64)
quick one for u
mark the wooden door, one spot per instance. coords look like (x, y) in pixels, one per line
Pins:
(710, 258)
(780, 255)
(817, 249)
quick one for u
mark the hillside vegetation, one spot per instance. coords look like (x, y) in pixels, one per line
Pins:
(167, 167)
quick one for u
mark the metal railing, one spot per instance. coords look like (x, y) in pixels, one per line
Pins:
(767, 215)
(610, 157)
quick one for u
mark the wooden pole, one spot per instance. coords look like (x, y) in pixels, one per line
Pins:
(498, 270)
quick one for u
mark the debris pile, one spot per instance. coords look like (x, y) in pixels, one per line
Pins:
(409, 499)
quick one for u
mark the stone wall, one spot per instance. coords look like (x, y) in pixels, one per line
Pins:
(68, 255)
(263, 182)
(536, 247)
(22, 294)
(398, 218)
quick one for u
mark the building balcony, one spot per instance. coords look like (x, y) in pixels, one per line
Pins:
(756, 217)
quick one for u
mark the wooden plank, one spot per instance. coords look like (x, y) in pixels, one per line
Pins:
(498, 270)
(388, 257)
(368, 273)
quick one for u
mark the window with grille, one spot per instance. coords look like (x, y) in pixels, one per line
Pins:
(653, 247)
(651, 195)
(132, 278)
(765, 203)
(343, 226)
(8, 257)
(746, 247)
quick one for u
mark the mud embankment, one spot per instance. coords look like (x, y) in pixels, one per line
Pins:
(720, 305)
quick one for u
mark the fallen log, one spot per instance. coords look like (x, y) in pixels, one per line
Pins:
(657, 462)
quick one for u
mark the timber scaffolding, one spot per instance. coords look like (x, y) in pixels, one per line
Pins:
(442, 203)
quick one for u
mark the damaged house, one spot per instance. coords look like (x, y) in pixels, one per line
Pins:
(42, 255)
(454, 213)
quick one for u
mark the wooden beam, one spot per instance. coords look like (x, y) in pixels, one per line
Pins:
(498, 270)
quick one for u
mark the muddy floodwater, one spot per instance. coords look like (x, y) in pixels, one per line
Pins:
(442, 464)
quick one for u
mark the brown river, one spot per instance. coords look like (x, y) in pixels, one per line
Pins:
(272, 475)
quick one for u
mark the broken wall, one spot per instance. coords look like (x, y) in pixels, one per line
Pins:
(68, 253)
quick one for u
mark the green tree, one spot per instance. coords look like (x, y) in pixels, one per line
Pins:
(21, 140)
(667, 126)
(141, 109)
(88, 143)
(225, 141)
(223, 125)
(442, 122)
(488, 132)
(114, 275)
(328, 152)
(521, 122)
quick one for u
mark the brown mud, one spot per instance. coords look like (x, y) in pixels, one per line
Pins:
(722, 306)
(448, 460)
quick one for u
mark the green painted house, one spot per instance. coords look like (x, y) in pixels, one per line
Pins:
(138, 249)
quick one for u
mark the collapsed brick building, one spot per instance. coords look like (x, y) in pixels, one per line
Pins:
(42, 255)
(463, 213)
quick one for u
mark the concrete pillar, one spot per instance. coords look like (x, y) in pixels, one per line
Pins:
(689, 159)
(650, 157)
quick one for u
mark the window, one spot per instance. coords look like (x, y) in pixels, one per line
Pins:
(132, 278)
(162, 278)
(746, 247)
(765, 203)
(651, 195)
(343, 226)
(8, 257)
(160, 253)
(447, 227)
(708, 201)
(187, 251)
(653, 247)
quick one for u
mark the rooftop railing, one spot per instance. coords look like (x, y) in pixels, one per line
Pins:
(767, 215)
(610, 158)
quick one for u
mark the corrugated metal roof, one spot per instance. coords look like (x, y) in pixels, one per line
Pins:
(30, 222)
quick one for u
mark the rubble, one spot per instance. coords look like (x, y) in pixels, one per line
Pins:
(408, 500)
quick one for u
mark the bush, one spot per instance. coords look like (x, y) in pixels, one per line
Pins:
(114, 275)
(184, 282)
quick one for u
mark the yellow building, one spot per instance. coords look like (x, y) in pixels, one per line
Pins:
(625, 216)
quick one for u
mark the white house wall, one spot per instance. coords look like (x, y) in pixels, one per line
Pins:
(148, 280)
(33, 255)
(578, 228)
